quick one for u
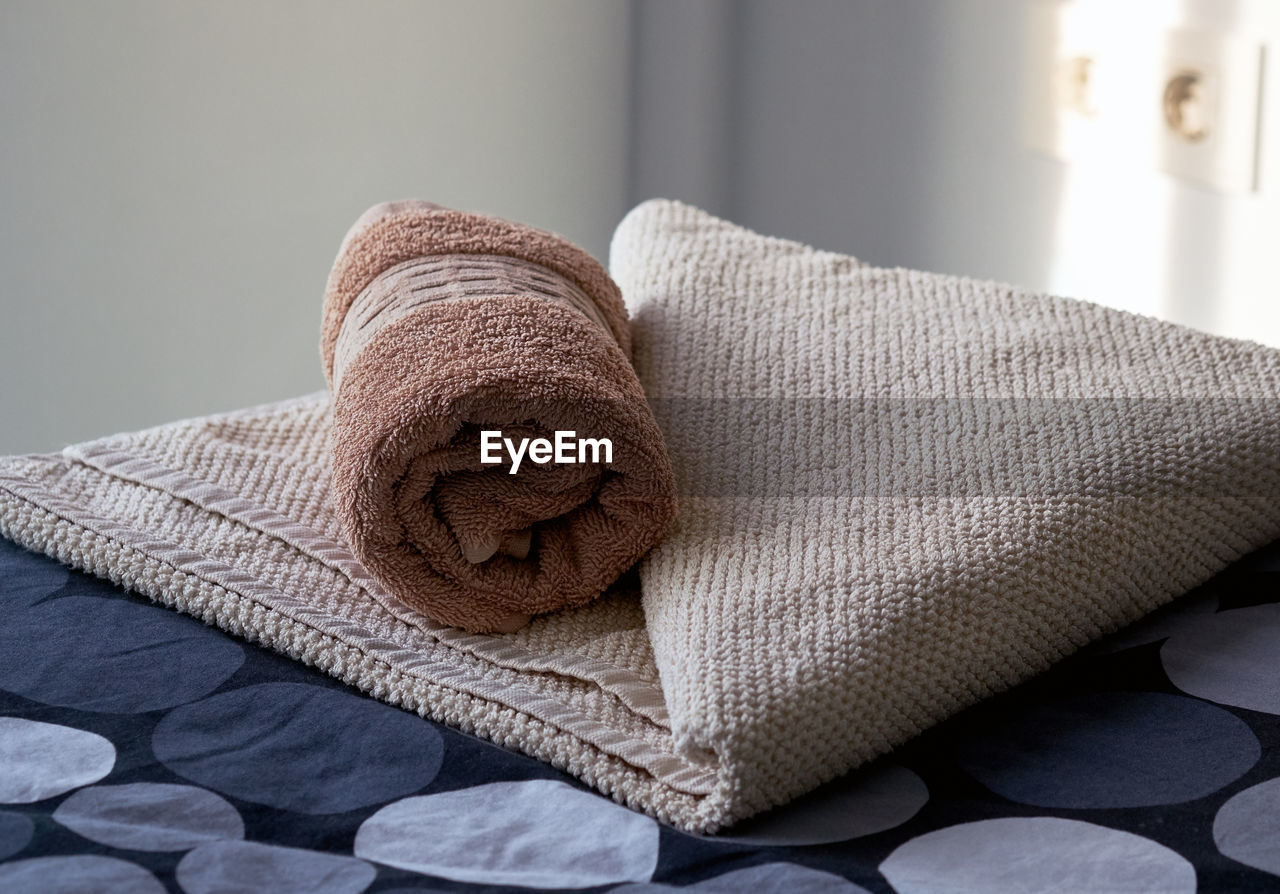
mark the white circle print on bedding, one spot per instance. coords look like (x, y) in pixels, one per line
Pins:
(76, 874)
(1247, 827)
(1229, 658)
(246, 867)
(789, 877)
(40, 760)
(1035, 855)
(149, 816)
(537, 833)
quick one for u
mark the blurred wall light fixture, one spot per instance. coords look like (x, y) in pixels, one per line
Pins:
(1188, 105)
(1107, 88)
(1073, 85)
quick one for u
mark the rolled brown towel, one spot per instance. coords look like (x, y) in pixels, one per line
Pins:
(440, 325)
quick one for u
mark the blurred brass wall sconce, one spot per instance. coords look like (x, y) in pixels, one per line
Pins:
(1186, 107)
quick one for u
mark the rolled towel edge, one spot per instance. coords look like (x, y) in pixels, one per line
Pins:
(395, 232)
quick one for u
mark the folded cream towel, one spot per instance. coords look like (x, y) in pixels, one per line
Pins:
(440, 325)
(901, 492)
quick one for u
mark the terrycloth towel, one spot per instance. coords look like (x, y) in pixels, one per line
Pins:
(440, 325)
(900, 492)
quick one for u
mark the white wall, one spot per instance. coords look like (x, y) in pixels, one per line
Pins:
(892, 129)
(175, 178)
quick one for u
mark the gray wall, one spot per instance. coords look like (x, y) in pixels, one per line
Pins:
(892, 129)
(175, 178)
(884, 128)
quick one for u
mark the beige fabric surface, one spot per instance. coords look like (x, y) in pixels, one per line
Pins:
(909, 491)
(230, 518)
(900, 492)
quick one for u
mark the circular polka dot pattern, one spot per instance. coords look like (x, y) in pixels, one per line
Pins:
(292, 754)
(148, 816)
(15, 833)
(328, 752)
(1247, 827)
(1110, 749)
(1232, 658)
(1035, 855)
(41, 760)
(868, 802)
(244, 867)
(536, 834)
(789, 877)
(142, 658)
(79, 874)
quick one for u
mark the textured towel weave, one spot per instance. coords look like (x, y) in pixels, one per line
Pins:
(440, 325)
(900, 492)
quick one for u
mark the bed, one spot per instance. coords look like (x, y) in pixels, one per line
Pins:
(171, 756)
